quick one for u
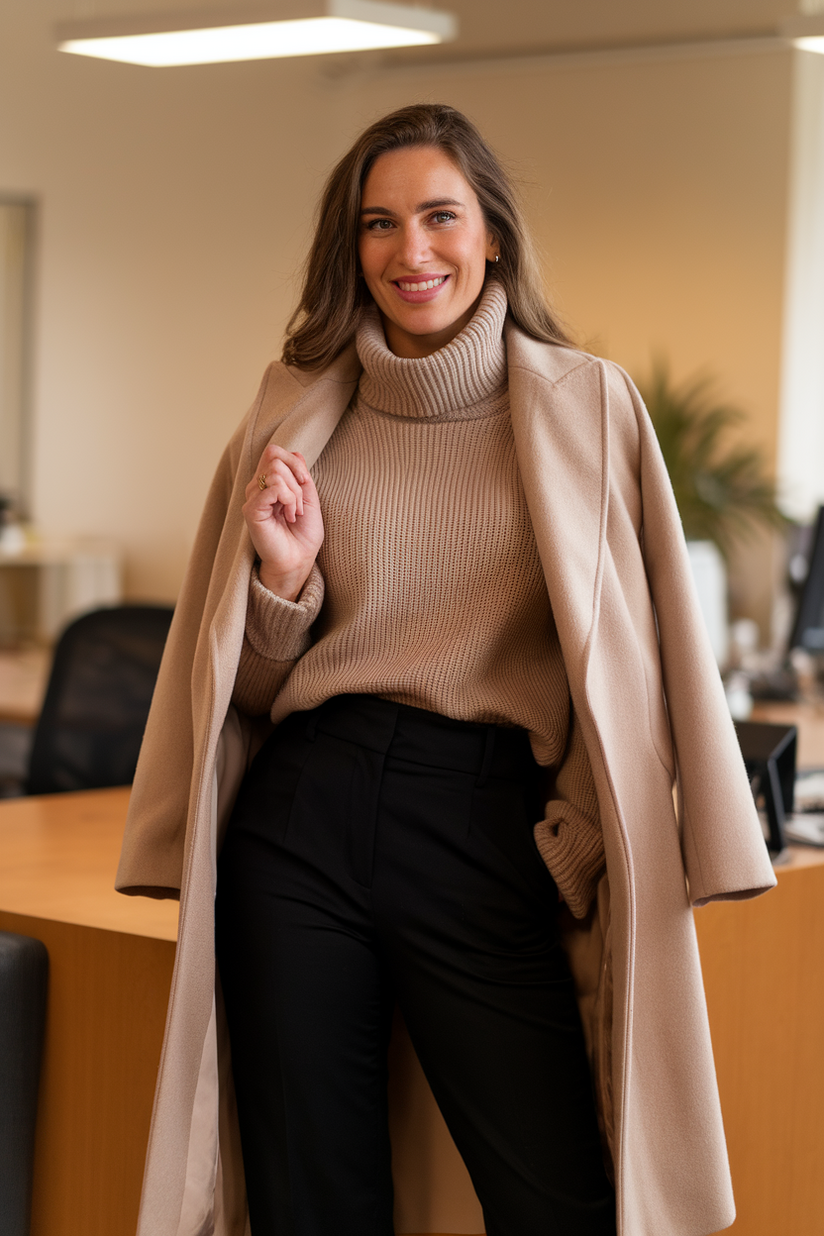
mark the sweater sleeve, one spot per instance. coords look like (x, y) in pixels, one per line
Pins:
(278, 632)
(569, 839)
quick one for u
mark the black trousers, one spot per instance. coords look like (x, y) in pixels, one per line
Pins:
(377, 853)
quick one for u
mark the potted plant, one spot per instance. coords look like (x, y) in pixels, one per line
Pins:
(721, 485)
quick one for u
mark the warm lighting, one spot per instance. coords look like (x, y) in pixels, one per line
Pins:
(807, 33)
(287, 29)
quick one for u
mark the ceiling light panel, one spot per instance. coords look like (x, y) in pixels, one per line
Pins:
(307, 29)
(807, 33)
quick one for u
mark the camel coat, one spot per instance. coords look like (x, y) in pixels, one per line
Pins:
(647, 692)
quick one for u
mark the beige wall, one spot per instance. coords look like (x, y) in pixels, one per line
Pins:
(172, 209)
(657, 189)
(175, 206)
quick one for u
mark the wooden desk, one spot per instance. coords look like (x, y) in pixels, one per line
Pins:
(111, 962)
(110, 968)
(762, 963)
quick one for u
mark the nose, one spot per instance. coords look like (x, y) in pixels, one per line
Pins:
(414, 246)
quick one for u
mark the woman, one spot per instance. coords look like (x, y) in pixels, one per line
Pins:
(458, 588)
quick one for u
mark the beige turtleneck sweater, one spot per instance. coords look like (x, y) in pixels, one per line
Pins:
(428, 588)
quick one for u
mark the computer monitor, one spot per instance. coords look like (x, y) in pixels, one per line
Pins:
(769, 753)
(808, 628)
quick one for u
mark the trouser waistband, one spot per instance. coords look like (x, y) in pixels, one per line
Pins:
(420, 736)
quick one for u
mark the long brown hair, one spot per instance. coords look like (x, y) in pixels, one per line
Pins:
(333, 297)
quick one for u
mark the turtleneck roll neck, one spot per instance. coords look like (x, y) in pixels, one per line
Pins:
(428, 588)
(463, 381)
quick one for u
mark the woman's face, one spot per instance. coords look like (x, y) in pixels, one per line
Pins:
(421, 225)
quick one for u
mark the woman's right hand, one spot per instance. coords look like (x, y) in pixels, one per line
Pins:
(284, 521)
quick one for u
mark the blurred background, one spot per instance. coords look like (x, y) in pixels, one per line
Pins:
(152, 224)
(671, 156)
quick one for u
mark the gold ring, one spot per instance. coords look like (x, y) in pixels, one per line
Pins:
(262, 481)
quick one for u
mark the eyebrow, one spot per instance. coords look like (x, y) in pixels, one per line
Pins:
(434, 204)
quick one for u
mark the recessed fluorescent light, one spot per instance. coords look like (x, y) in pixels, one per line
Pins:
(287, 29)
(807, 33)
(813, 43)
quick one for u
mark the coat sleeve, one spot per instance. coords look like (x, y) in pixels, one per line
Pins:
(725, 856)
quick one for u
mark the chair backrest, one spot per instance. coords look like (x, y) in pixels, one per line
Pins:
(102, 678)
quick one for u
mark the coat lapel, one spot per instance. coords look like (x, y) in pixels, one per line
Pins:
(313, 417)
(559, 410)
(304, 410)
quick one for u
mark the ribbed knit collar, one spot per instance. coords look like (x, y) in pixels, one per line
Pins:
(464, 380)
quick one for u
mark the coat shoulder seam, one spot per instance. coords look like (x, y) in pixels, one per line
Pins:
(585, 360)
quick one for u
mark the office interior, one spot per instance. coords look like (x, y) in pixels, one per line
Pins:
(671, 157)
(667, 181)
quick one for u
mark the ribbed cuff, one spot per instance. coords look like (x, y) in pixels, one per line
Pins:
(279, 629)
(573, 849)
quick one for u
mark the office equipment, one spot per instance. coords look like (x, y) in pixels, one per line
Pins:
(806, 825)
(806, 569)
(809, 790)
(808, 627)
(804, 828)
(769, 753)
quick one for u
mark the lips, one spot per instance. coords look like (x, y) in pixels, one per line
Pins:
(418, 291)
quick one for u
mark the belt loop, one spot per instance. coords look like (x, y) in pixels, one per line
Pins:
(312, 725)
(489, 753)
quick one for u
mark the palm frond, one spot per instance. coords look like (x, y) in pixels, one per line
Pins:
(722, 488)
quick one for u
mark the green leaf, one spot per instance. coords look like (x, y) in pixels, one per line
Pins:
(722, 489)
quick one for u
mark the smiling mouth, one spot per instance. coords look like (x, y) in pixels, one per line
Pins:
(425, 285)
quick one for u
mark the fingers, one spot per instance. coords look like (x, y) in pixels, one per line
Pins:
(293, 460)
(281, 493)
(277, 485)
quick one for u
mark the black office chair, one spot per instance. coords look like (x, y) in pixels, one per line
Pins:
(89, 731)
(24, 965)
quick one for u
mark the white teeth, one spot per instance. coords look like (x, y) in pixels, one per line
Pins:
(422, 287)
